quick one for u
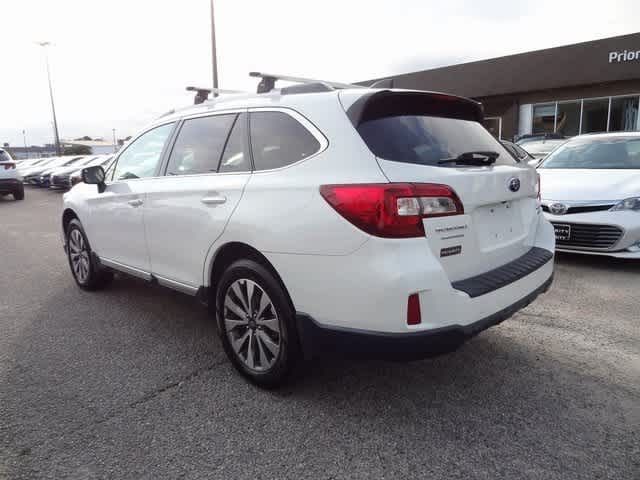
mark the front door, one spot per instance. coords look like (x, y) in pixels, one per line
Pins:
(116, 225)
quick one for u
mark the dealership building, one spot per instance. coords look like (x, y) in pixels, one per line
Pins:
(582, 88)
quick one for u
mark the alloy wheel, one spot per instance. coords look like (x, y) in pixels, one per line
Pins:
(252, 325)
(79, 255)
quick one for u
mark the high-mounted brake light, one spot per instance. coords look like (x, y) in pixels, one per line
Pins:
(392, 210)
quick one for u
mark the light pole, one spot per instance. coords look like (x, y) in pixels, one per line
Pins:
(114, 140)
(24, 138)
(214, 59)
(44, 45)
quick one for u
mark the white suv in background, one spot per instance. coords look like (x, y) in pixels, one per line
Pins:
(10, 178)
(383, 222)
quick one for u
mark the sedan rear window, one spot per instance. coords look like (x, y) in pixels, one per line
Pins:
(426, 140)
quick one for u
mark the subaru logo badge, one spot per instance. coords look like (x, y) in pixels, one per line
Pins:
(514, 184)
(558, 208)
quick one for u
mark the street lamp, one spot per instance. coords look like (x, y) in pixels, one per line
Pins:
(44, 45)
(24, 138)
(214, 59)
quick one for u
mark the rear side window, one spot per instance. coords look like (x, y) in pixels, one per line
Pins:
(425, 140)
(277, 140)
(235, 158)
(199, 145)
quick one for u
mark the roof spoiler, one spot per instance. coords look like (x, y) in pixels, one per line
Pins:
(386, 103)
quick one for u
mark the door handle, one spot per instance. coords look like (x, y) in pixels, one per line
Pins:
(135, 203)
(214, 200)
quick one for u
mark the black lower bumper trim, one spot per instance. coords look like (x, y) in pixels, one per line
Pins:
(504, 275)
(316, 339)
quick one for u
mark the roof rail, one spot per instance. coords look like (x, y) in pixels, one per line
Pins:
(202, 93)
(269, 80)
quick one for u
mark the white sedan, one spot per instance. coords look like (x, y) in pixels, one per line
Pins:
(590, 190)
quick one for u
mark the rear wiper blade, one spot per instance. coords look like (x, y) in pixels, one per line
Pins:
(478, 157)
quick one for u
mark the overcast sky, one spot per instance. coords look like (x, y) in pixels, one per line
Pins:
(119, 63)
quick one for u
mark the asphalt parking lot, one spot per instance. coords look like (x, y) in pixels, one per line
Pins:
(131, 382)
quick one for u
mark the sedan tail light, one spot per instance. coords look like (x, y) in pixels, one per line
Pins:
(392, 210)
(9, 166)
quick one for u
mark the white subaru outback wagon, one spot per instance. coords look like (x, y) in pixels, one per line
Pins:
(381, 222)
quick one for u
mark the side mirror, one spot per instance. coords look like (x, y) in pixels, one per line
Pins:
(94, 176)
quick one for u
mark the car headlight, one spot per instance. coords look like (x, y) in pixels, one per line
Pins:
(632, 203)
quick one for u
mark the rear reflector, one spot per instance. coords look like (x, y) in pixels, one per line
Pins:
(413, 310)
(392, 210)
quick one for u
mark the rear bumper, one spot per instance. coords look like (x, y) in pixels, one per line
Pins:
(10, 185)
(316, 339)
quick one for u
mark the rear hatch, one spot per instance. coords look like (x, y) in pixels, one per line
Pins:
(410, 133)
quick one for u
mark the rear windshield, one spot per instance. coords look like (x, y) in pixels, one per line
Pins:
(425, 140)
(4, 156)
(601, 153)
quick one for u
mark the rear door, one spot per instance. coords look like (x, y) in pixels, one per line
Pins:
(187, 209)
(500, 204)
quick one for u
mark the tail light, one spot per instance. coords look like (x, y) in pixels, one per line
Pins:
(413, 310)
(9, 166)
(392, 210)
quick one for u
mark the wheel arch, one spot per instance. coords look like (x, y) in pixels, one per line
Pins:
(67, 215)
(232, 251)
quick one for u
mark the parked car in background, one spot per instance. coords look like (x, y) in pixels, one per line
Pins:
(534, 137)
(44, 179)
(27, 165)
(591, 194)
(10, 179)
(539, 149)
(30, 173)
(66, 170)
(428, 234)
(76, 177)
(519, 153)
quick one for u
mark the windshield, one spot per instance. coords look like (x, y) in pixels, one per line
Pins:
(426, 140)
(597, 153)
(4, 156)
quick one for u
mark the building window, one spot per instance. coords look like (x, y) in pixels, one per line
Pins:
(494, 125)
(589, 115)
(544, 118)
(624, 114)
(568, 119)
(594, 115)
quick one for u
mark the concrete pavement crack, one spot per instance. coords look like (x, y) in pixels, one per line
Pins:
(119, 411)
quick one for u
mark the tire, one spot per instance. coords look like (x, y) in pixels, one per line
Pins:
(87, 273)
(19, 194)
(259, 336)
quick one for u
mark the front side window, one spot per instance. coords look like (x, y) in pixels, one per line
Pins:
(427, 140)
(199, 145)
(277, 140)
(141, 157)
(606, 153)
